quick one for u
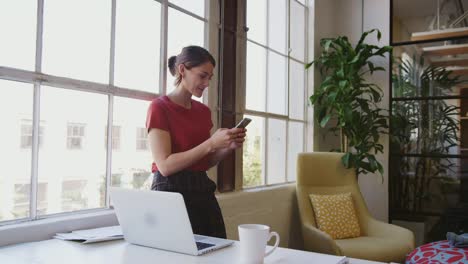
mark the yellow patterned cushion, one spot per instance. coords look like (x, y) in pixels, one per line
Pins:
(335, 215)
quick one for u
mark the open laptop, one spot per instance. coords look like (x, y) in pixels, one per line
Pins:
(159, 220)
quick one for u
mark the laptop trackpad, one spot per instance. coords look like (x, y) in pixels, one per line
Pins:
(204, 242)
(201, 245)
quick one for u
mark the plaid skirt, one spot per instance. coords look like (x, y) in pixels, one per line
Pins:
(198, 192)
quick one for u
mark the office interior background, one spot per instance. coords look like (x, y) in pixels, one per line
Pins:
(76, 78)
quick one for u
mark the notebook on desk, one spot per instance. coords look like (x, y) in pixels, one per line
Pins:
(159, 220)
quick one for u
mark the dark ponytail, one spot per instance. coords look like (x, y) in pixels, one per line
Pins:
(171, 65)
(190, 56)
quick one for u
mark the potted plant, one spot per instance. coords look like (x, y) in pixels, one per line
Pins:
(347, 97)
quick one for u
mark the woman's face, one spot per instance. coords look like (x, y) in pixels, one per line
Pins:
(197, 79)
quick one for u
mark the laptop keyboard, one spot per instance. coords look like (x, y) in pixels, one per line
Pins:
(201, 245)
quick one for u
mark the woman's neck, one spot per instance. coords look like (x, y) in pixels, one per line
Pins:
(181, 97)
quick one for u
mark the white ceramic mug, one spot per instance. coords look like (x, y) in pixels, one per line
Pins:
(253, 240)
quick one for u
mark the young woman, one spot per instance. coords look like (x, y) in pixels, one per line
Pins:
(180, 141)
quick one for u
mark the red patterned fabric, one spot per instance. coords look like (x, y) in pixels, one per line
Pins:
(439, 252)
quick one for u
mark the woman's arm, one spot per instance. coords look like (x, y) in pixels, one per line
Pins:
(218, 156)
(169, 163)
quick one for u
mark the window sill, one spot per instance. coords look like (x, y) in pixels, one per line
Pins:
(46, 228)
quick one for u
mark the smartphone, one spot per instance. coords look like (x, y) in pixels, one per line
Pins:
(243, 123)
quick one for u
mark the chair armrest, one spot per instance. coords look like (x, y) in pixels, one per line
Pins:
(377, 228)
(318, 241)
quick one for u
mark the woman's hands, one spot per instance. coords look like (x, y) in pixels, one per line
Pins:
(228, 138)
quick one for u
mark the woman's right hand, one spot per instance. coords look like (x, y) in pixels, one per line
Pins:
(223, 137)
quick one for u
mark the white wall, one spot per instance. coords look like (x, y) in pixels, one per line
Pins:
(350, 17)
(377, 15)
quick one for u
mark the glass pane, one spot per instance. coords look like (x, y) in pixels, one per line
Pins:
(137, 44)
(195, 6)
(297, 27)
(418, 21)
(256, 20)
(73, 165)
(183, 30)
(430, 69)
(256, 75)
(16, 100)
(253, 153)
(277, 25)
(131, 164)
(77, 39)
(429, 126)
(18, 29)
(297, 95)
(429, 184)
(276, 143)
(295, 146)
(277, 84)
(302, 1)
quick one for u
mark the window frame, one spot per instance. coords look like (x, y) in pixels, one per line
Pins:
(268, 115)
(37, 78)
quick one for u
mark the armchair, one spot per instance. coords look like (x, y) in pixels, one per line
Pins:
(323, 173)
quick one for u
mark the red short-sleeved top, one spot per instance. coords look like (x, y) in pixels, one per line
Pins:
(188, 127)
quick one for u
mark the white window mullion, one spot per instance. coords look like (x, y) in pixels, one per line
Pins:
(109, 147)
(110, 106)
(112, 43)
(39, 33)
(264, 165)
(35, 153)
(163, 48)
(308, 128)
(306, 80)
(36, 114)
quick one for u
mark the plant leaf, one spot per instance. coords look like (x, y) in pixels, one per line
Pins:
(325, 120)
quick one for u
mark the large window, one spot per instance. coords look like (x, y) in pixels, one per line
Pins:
(65, 79)
(275, 90)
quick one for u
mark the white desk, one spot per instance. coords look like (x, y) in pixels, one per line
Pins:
(56, 251)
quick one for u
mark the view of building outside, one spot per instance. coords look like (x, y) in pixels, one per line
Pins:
(16, 101)
(72, 156)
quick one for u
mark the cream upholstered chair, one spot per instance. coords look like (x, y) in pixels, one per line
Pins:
(323, 173)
